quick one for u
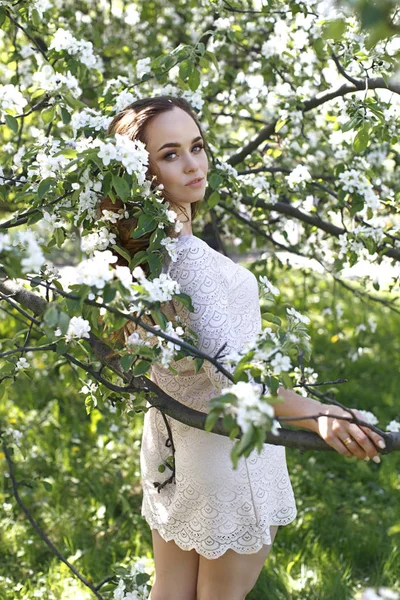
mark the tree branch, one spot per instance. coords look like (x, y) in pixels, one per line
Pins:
(303, 440)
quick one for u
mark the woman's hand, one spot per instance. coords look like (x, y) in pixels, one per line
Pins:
(347, 438)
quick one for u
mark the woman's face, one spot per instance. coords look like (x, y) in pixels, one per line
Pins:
(177, 155)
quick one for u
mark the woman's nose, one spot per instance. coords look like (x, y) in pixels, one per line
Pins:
(190, 163)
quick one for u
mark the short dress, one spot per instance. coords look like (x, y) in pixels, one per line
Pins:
(211, 507)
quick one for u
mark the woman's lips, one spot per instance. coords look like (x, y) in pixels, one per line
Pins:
(196, 184)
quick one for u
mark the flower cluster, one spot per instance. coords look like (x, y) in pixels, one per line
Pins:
(28, 242)
(355, 182)
(78, 328)
(132, 154)
(95, 271)
(11, 99)
(98, 240)
(249, 408)
(81, 49)
(161, 289)
(298, 176)
(138, 590)
(143, 67)
(89, 117)
(49, 80)
(268, 287)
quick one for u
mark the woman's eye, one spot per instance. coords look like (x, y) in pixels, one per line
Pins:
(201, 146)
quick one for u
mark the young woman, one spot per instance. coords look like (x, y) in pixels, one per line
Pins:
(212, 526)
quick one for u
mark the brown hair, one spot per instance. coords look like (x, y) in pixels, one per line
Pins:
(132, 121)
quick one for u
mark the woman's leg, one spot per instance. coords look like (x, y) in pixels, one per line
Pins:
(232, 575)
(175, 571)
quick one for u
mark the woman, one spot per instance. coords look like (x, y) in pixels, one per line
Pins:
(212, 526)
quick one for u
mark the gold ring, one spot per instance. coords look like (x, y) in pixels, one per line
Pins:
(348, 440)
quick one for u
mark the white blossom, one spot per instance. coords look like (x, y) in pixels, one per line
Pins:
(143, 67)
(369, 417)
(78, 328)
(49, 80)
(98, 240)
(22, 363)
(355, 182)
(299, 175)
(171, 215)
(41, 6)
(268, 286)
(34, 258)
(81, 49)
(249, 409)
(394, 426)
(89, 388)
(131, 153)
(119, 591)
(296, 316)
(135, 340)
(96, 271)
(224, 166)
(171, 247)
(11, 98)
(124, 275)
(280, 363)
(5, 242)
(89, 117)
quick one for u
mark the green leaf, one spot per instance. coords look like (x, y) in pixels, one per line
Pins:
(121, 187)
(127, 361)
(211, 419)
(155, 262)
(185, 69)
(146, 223)
(159, 318)
(47, 486)
(215, 180)
(186, 300)
(12, 123)
(198, 363)
(51, 316)
(44, 187)
(246, 440)
(334, 30)
(122, 252)
(48, 114)
(61, 347)
(141, 368)
(361, 140)
(213, 199)
(194, 80)
(211, 56)
(59, 236)
(271, 318)
(65, 115)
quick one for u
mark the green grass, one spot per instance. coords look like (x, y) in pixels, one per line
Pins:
(340, 543)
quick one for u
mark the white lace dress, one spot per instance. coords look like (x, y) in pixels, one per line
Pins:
(211, 507)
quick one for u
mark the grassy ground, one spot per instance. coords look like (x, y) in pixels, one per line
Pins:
(80, 479)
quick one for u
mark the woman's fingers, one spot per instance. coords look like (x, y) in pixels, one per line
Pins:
(362, 445)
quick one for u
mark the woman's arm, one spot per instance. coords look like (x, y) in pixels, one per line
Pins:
(360, 441)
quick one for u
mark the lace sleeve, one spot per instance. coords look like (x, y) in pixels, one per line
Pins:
(199, 275)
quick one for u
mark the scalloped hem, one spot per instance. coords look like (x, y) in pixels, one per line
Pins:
(214, 554)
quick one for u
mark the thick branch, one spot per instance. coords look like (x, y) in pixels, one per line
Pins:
(346, 88)
(303, 440)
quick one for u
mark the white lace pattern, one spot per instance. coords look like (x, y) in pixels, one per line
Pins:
(211, 507)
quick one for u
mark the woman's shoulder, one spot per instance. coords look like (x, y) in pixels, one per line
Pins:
(192, 253)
